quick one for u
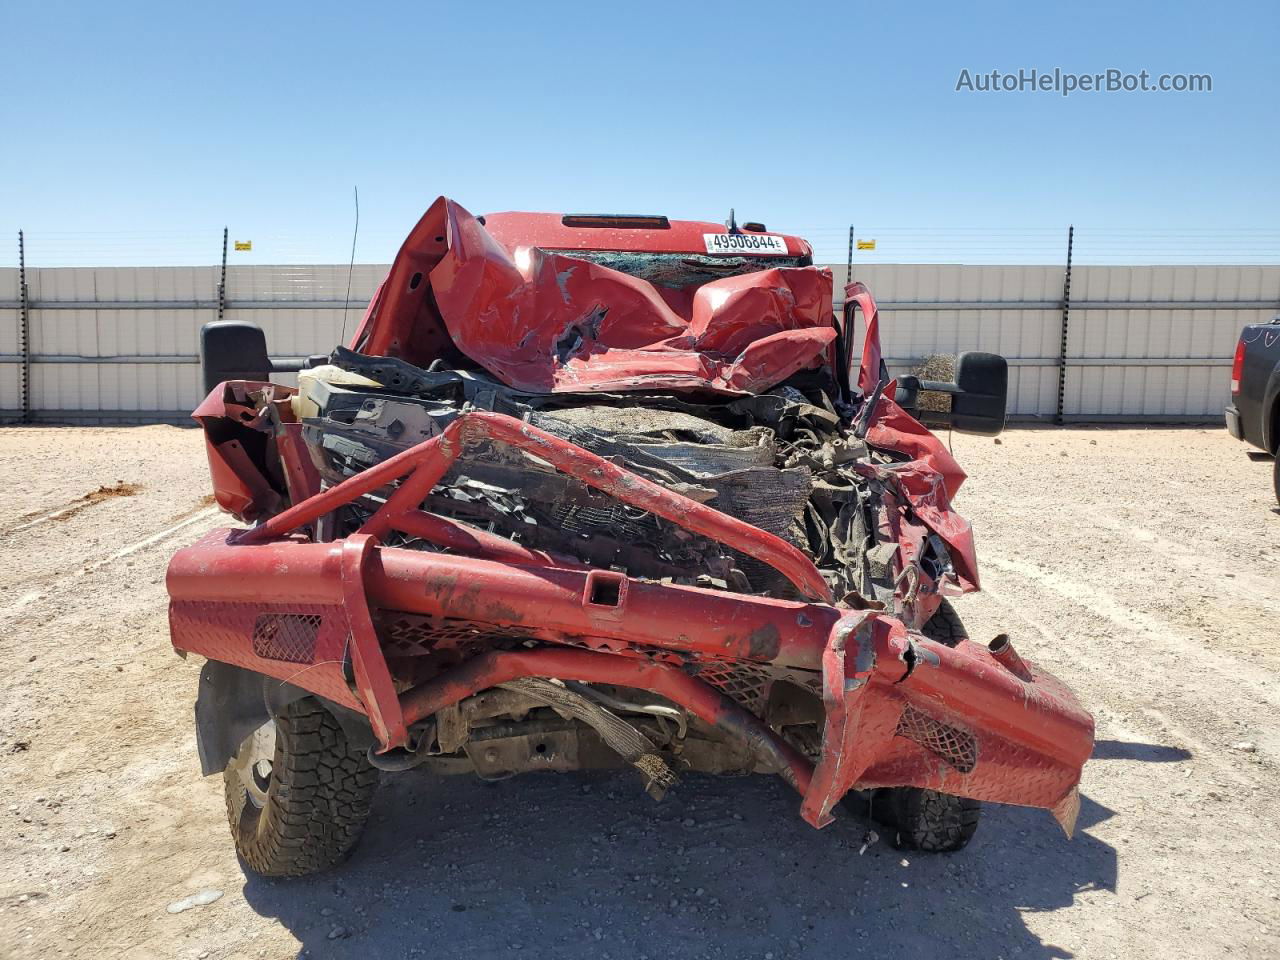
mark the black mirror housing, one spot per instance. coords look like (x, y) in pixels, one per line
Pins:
(980, 405)
(979, 395)
(233, 350)
(237, 350)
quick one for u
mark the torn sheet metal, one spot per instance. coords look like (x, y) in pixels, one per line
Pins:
(929, 476)
(904, 709)
(466, 292)
(553, 322)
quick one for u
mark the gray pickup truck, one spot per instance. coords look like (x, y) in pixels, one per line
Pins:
(1253, 415)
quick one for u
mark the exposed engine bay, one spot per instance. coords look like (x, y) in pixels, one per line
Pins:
(785, 461)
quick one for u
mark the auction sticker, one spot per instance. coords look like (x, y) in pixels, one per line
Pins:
(759, 243)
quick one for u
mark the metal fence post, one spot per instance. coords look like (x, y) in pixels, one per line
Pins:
(222, 278)
(1066, 318)
(848, 276)
(24, 332)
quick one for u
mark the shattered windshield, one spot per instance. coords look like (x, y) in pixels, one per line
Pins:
(680, 270)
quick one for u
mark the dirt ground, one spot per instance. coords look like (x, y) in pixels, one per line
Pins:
(1141, 565)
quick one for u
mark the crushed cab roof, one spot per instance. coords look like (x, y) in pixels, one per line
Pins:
(496, 293)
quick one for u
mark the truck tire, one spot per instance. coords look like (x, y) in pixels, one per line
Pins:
(926, 819)
(945, 626)
(298, 794)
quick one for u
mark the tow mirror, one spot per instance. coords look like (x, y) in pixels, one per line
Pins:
(236, 350)
(978, 396)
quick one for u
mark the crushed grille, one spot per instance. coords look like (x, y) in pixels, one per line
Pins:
(290, 637)
(956, 746)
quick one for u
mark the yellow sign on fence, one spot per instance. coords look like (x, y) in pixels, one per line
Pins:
(248, 245)
(862, 245)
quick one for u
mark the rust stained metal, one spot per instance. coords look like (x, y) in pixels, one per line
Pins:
(496, 668)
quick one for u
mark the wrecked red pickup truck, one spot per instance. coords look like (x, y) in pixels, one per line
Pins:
(596, 491)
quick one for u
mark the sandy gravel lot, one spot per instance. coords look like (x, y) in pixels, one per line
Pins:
(1143, 566)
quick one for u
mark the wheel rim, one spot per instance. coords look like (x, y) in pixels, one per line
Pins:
(253, 761)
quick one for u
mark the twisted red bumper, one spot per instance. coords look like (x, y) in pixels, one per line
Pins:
(900, 710)
(1022, 742)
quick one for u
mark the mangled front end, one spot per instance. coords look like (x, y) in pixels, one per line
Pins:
(548, 516)
(414, 618)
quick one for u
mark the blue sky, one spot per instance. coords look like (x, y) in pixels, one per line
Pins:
(133, 132)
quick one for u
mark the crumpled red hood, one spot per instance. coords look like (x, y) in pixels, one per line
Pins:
(558, 323)
(561, 324)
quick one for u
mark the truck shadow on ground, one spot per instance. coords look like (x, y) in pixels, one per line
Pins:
(586, 865)
(1143, 752)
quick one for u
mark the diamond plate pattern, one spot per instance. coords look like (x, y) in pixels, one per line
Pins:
(956, 746)
(225, 631)
(411, 635)
(745, 683)
(286, 636)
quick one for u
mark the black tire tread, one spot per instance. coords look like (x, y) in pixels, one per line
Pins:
(945, 625)
(932, 822)
(317, 803)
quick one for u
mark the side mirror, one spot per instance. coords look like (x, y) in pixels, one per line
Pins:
(237, 350)
(980, 406)
(233, 350)
(979, 395)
